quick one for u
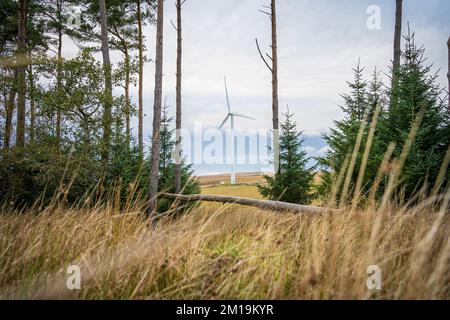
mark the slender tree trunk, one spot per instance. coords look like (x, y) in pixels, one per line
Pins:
(127, 94)
(448, 73)
(21, 69)
(58, 75)
(397, 52)
(141, 79)
(154, 173)
(108, 82)
(126, 53)
(178, 151)
(273, 67)
(9, 115)
(275, 113)
(32, 104)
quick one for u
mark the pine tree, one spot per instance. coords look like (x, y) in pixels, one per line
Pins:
(417, 89)
(341, 138)
(154, 171)
(293, 181)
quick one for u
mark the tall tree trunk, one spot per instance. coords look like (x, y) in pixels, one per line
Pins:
(178, 151)
(22, 86)
(32, 104)
(141, 79)
(126, 53)
(275, 114)
(9, 115)
(127, 94)
(108, 82)
(397, 52)
(154, 173)
(448, 73)
(273, 67)
(58, 74)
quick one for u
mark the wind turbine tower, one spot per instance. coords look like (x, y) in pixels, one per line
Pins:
(230, 116)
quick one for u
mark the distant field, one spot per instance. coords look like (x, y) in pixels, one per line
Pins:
(220, 185)
(241, 178)
(238, 191)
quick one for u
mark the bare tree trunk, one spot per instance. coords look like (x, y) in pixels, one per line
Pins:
(275, 113)
(141, 80)
(22, 86)
(178, 151)
(58, 75)
(273, 67)
(9, 115)
(127, 95)
(32, 104)
(108, 82)
(125, 51)
(126, 87)
(154, 173)
(448, 73)
(261, 204)
(397, 52)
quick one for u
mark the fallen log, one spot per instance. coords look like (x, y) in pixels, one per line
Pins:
(261, 204)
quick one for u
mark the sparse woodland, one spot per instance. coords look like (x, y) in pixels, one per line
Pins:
(78, 186)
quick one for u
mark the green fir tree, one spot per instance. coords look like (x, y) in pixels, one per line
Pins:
(293, 181)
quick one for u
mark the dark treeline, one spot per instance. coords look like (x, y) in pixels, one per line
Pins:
(62, 130)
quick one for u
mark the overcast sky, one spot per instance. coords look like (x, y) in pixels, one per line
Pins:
(320, 41)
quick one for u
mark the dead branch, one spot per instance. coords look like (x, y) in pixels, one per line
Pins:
(262, 56)
(173, 25)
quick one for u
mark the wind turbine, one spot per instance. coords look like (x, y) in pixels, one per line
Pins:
(230, 116)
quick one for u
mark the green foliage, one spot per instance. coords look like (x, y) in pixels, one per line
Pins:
(418, 88)
(74, 89)
(363, 97)
(292, 183)
(75, 164)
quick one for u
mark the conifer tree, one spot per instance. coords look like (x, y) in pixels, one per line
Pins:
(293, 181)
(418, 88)
(342, 137)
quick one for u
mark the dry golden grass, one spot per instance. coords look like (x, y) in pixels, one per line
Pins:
(228, 253)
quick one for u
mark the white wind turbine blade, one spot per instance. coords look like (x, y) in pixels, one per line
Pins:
(238, 114)
(226, 93)
(224, 121)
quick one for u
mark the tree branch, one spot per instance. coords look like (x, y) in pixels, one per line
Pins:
(262, 56)
(173, 25)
